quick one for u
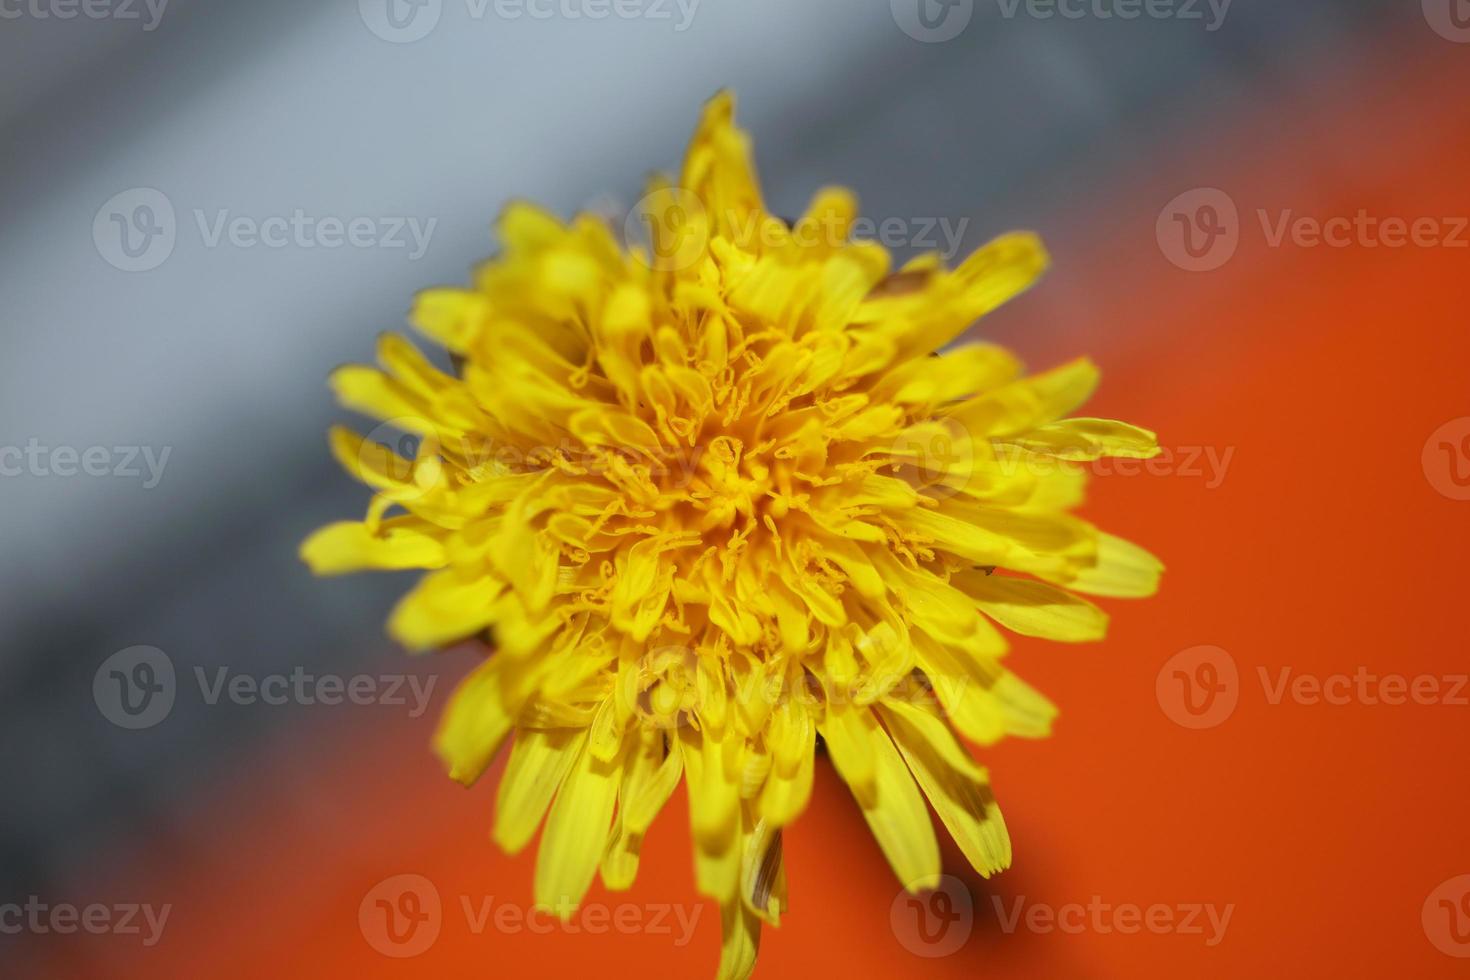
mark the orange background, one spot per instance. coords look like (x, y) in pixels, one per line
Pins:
(1324, 549)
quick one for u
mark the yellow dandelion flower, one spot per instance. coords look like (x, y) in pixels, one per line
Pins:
(718, 497)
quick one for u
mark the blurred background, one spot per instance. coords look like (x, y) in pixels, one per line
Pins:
(208, 205)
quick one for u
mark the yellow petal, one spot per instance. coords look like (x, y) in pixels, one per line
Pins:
(714, 794)
(785, 795)
(763, 873)
(958, 792)
(1034, 608)
(576, 834)
(720, 172)
(453, 317)
(1123, 570)
(983, 700)
(1079, 440)
(1026, 404)
(890, 802)
(372, 463)
(740, 939)
(475, 722)
(848, 733)
(825, 226)
(524, 227)
(375, 394)
(444, 608)
(619, 867)
(350, 546)
(647, 797)
(539, 762)
(954, 374)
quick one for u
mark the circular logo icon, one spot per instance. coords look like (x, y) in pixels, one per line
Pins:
(934, 923)
(401, 916)
(406, 451)
(135, 688)
(1446, 917)
(1446, 459)
(937, 457)
(665, 693)
(400, 21)
(135, 230)
(674, 226)
(1198, 687)
(932, 21)
(1199, 230)
(1449, 18)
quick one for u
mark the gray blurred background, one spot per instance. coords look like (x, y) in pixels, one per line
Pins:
(218, 354)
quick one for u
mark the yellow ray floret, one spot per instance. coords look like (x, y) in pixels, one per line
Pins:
(715, 496)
